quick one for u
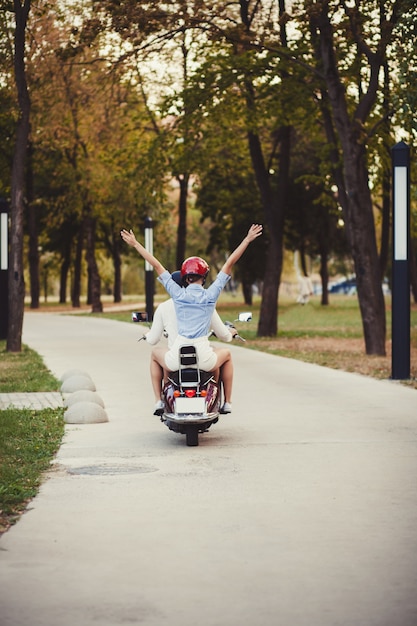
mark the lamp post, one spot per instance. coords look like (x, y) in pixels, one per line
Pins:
(4, 268)
(400, 328)
(149, 277)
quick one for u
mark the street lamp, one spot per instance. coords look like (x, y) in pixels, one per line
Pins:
(149, 278)
(400, 329)
(4, 268)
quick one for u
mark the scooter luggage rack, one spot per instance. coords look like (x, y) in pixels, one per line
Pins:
(189, 412)
(189, 373)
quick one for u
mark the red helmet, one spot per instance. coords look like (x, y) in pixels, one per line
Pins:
(194, 265)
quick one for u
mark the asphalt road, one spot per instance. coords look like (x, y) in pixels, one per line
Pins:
(299, 509)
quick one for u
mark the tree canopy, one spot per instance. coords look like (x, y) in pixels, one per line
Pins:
(281, 112)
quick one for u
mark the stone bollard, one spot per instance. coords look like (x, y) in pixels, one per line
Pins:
(85, 395)
(73, 372)
(85, 412)
(76, 382)
(84, 405)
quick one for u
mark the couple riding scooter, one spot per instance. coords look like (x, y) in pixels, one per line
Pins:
(165, 323)
(194, 307)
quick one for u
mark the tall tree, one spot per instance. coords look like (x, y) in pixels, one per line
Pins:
(404, 105)
(94, 171)
(16, 276)
(341, 32)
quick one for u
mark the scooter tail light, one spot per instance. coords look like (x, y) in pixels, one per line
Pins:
(190, 393)
(177, 393)
(203, 393)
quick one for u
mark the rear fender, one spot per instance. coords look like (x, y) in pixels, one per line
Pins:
(210, 386)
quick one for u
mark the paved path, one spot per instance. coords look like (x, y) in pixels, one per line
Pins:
(299, 509)
(35, 400)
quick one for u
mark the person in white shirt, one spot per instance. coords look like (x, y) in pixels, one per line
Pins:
(165, 324)
(194, 307)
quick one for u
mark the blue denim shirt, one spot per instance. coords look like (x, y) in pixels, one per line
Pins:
(194, 305)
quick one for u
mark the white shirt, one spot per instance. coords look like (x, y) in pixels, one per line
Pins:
(166, 320)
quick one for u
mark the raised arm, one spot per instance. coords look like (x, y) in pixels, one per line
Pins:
(254, 231)
(128, 236)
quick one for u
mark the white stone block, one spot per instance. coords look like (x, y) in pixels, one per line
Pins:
(85, 413)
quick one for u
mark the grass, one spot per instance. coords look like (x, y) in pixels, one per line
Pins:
(331, 336)
(28, 439)
(24, 371)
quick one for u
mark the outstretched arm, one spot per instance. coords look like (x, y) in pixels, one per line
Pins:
(254, 231)
(130, 239)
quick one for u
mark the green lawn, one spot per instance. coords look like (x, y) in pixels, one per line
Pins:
(24, 371)
(28, 439)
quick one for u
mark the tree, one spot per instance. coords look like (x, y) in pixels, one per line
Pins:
(340, 37)
(95, 170)
(234, 67)
(404, 104)
(227, 194)
(16, 276)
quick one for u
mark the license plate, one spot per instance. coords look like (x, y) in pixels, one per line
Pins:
(190, 405)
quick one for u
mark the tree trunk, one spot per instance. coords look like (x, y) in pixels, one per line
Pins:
(360, 221)
(273, 205)
(386, 183)
(94, 281)
(33, 235)
(386, 223)
(117, 264)
(324, 274)
(182, 219)
(357, 202)
(303, 260)
(65, 266)
(16, 277)
(76, 286)
(273, 201)
(268, 315)
(247, 289)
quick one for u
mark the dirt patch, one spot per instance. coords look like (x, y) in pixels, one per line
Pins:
(344, 354)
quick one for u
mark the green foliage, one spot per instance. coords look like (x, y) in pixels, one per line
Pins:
(138, 92)
(404, 96)
(24, 371)
(28, 441)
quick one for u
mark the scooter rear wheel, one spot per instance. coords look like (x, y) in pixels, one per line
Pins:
(192, 436)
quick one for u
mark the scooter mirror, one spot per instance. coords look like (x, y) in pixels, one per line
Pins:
(245, 317)
(138, 316)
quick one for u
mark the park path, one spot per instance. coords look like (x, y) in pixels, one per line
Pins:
(298, 509)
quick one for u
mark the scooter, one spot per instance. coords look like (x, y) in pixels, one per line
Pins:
(192, 397)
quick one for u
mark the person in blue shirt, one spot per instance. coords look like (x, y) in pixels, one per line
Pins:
(164, 323)
(194, 308)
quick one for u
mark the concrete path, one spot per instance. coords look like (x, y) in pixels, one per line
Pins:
(34, 400)
(299, 509)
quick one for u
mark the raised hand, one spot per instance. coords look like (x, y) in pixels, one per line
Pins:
(128, 237)
(254, 231)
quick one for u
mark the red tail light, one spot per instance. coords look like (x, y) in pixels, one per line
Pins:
(190, 393)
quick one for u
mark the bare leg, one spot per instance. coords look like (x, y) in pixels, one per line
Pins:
(157, 369)
(157, 375)
(224, 361)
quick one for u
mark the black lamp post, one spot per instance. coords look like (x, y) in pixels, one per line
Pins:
(4, 268)
(149, 277)
(400, 332)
